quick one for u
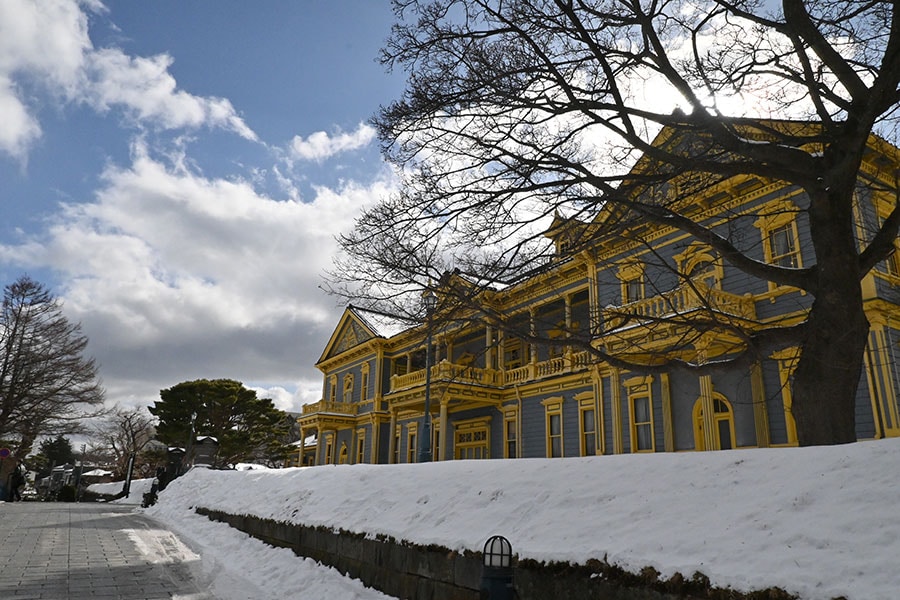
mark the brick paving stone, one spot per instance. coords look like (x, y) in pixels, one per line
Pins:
(77, 551)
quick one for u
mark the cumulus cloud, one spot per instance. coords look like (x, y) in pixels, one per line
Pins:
(320, 145)
(47, 44)
(145, 88)
(176, 276)
(19, 129)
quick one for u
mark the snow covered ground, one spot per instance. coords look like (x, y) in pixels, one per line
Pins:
(818, 522)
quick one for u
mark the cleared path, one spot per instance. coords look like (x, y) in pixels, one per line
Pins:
(62, 551)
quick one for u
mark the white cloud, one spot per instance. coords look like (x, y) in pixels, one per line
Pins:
(320, 145)
(19, 129)
(145, 88)
(176, 277)
(47, 44)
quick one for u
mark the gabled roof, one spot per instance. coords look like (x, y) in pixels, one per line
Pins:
(357, 326)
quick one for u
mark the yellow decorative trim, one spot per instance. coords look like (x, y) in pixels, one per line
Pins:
(787, 362)
(760, 408)
(668, 424)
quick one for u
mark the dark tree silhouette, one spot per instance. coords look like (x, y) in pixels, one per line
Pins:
(517, 111)
(247, 428)
(47, 385)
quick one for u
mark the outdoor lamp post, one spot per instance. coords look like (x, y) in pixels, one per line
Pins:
(497, 574)
(429, 299)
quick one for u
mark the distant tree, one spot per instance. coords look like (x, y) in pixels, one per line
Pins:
(518, 110)
(247, 428)
(124, 433)
(47, 385)
(52, 452)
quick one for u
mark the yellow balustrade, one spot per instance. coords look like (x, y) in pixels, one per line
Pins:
(680, 301)
(326, 406)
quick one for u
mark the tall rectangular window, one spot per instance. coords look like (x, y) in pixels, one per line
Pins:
(364, 389)
(642, 424)
(411, 447)
(554, 434)
(360, 446)
(588, 432)
(397, 445)
(329, 449)
(634, 290)
(511, 437)
(783, 246)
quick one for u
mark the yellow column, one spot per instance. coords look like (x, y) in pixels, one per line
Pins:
(375, 422)
(392, 443)
(760, 410)
(445, 428)
(319, 436)
(302, 438)
(710, 437)
(616, 405)
(668, 428)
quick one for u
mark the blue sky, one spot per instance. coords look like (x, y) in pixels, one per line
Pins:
(176, 171)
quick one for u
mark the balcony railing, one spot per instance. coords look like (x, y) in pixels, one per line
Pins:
(447, 371)
(326, 406)
(681, 301)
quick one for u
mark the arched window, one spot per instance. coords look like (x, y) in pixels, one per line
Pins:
(699, 264)
(723, 422)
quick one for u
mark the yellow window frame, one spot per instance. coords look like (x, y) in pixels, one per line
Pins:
(360, 446)
(587, 403)
(718, 417)
(640, 390)
(472, 438)
(555, 440)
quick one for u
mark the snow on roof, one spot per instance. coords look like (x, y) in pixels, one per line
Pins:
(97, 473)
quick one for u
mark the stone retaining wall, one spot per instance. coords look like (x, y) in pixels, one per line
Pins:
(414, 572)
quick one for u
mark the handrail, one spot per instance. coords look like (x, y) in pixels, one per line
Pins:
(684, 299)
(327, 406)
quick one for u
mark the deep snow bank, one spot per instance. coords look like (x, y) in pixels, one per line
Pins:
(820, 522)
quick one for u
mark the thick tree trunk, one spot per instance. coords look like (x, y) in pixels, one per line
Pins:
(828, 372)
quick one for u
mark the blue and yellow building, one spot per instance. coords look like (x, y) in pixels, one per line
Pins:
(494, 395)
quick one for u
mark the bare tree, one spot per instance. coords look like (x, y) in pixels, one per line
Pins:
(47, 385)
(124, 433)
(524, 115)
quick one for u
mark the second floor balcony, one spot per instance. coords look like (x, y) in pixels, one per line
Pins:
(446, 371)
(329, 407)
(679, 303)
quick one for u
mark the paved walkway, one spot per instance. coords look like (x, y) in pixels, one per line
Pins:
(68, 551)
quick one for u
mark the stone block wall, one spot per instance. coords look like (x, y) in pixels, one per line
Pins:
(414, 572)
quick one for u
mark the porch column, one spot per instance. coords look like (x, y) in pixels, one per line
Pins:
(760, 410)
(445, 429)
(616, 406)
(302, 444)
(376, 430)
(668, 425)
(319, 437)
(710, 439)
(392, 443)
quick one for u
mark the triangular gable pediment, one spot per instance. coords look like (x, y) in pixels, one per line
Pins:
(350, 332)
